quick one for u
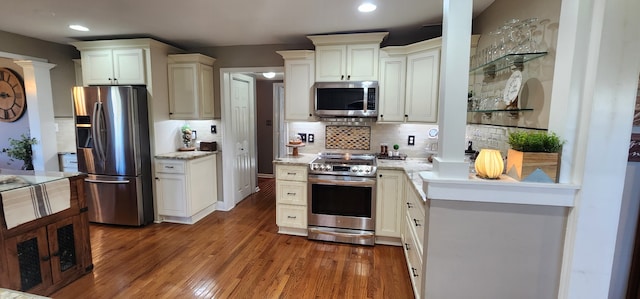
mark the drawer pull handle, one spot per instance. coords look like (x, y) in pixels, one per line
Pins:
(291, 173)
(416, 222)
(291, 193)
(409, 205)
(291, 217)
(413, 271)
(406, 246)
(170, 167)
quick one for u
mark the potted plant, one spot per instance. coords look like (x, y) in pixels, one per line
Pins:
(20, 149)
(534, 156)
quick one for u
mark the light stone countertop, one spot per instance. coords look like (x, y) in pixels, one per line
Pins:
(187, 155)
(299, 160)
(412, 168)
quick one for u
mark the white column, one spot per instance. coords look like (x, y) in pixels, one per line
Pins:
(592, 107)
(37, 81)
(454, 78)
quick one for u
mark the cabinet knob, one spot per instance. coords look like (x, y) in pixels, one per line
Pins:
(406, 115)
(416, 222)
(381, 116)
(349, 77)
(46, 258)
(380, 175)
(342, 77)
(406, 246)
(157, 178)
(409, 205)
(310, 115)
(414, 272)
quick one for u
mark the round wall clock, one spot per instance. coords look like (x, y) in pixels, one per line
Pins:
(12, 96)
(512, 89)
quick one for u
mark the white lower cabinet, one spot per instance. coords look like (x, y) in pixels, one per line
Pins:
(389, 194)
(414, 222)
(291, 199)
(186, 190)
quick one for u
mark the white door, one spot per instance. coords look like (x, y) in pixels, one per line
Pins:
(242, 127)
(279, 134)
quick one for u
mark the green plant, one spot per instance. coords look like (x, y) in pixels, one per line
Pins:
(532, 141)
(396, 147)
(20, 149)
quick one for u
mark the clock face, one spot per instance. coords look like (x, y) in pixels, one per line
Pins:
(512, 88)
(12, 98)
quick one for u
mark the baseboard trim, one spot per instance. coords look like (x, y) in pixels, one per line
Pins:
(266, 175)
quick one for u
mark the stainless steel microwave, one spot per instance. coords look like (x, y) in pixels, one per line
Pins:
(346, 99)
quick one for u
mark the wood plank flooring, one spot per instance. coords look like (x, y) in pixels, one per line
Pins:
(235, 254)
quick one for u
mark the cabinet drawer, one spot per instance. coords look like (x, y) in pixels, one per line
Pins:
(291, 216)
(292, 173)
(293, 193)
(167, 166)
(416, 221)
(414, 256)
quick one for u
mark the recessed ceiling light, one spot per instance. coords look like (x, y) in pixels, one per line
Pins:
(269, 75)
(367, 7)
(78, 27)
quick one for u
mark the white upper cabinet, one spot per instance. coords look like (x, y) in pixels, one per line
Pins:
(347, 57)
(392, 88)
(298, 84)
(409, 82)
(190, 86)
(113, 66)
(423, 77)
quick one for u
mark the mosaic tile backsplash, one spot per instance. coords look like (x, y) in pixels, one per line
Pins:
(348, 137)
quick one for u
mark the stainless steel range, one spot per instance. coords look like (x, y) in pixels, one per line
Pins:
(342, 198)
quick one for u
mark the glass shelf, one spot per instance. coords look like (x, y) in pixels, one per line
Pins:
(506, 61)
(501, 110)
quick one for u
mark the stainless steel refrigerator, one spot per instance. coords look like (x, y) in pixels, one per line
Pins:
(112, 144)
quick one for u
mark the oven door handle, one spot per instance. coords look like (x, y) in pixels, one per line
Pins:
(367, 183)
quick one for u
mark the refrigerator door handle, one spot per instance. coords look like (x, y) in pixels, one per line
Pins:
(97, 137)
(106, 182)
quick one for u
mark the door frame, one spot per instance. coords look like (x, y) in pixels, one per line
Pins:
(279, 135)
(228, 200)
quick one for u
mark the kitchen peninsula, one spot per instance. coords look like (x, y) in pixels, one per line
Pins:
(454, 228)
(53, 249)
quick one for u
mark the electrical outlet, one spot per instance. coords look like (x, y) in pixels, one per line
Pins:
(412, 140)
(310, 138)
(214, 130)
(303, 137)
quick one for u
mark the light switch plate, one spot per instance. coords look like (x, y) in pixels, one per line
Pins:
(214, 129)
(310, 138)
(303, 137)
(412, 140)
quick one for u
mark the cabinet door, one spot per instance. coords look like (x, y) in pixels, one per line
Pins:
(128, 66)
(362, 62)
(392, 89)
(206, 92)
(201, 180)
(423, 75)
(390, 190)
(97, 67)
(28, 261)
(298, 90)
(65, 245)
(171, 194)
(183, 91)
(331, 63)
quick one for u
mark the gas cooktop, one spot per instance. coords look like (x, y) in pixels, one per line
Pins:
(344, 164)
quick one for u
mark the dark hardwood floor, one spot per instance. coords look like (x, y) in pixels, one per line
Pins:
(235, 254)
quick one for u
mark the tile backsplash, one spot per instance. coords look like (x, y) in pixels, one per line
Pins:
(380, 133)
(348, 137)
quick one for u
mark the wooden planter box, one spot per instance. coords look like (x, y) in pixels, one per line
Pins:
(533, 167)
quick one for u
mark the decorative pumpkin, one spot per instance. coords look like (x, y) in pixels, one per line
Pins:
(489, 164)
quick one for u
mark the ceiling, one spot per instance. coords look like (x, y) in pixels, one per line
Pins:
(209, 23)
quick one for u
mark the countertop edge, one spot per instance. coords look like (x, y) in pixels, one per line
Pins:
(185, 155)
(504, 190)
